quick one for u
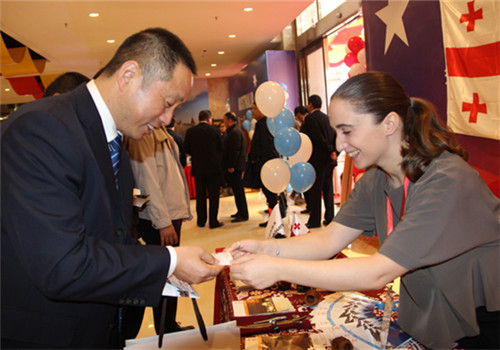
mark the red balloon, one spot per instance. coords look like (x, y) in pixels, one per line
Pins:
(350, 59)
(355, 43)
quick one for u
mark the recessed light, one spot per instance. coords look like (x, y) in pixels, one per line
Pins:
(248, 9)
(208, 74)
(232, 35)
(214, 64)
(95, 14)
(7, 89)
(221, 52)
(110, 41)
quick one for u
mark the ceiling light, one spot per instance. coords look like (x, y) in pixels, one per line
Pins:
(221, 52)
(248, 9)
(207, 74)
(7, 89)
(110, 41)
(232, 35)
(94, 14)
(214, 64)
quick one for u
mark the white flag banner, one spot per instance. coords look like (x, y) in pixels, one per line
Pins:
(471, 38)
(297, 227)
(275, 224)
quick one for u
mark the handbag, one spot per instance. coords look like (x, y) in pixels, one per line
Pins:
(251, 176)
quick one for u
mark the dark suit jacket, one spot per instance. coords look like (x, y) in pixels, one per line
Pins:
(179, 140)
(318, 128)
(68, 259)
(262, 148)
(235, 151)
(204, 143)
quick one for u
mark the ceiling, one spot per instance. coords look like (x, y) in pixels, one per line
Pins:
(64, 33)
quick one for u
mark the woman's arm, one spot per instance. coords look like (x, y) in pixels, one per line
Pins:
(313, 246)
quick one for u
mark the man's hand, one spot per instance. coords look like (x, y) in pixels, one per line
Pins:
(195, 265)
(168, 236)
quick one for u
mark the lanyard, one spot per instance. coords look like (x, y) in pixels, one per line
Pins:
(390, 222)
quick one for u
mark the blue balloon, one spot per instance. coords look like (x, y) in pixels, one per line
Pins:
(283, 120)
(302, 176)
(288, 188)
(247, 125)
(287, 141)
(283, 85)
(270, 126)
(248, 114)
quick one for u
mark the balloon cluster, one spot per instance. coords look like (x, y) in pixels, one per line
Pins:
(356, 56)
(278, 174)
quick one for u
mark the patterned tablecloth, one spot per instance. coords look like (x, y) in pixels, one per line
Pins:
(355, 316)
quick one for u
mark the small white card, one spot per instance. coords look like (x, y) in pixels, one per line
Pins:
(174, 287)
(224, 258)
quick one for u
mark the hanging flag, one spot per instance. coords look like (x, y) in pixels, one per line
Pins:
(471, 38)
(297, 227)
(275, 224)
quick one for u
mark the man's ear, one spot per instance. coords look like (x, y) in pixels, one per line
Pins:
(128, 73)
(391, 123)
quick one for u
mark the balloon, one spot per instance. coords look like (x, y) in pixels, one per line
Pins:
(357, 68)
(248, 114)
(362, 57)
(304, 152)
(288, 188)
(350, 59)
(247, 125)
(355, 43)
(285, 119)
(287, 141)
(270, 98)
(302, 176)
(283, 85)
(275, 175)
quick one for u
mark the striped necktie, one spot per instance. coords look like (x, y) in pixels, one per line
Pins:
(114, 150)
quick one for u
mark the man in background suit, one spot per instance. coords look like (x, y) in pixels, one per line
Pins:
(68, 259)
(323, 159)
(204, 143)
(234, 159)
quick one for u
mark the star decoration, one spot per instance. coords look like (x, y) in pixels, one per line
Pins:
(392, 16)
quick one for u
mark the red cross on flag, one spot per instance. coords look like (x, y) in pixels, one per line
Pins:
(471, 38)
(297, 227)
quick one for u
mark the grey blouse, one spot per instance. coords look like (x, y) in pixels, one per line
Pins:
(449, 239)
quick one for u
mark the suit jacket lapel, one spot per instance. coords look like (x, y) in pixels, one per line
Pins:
(92, 125)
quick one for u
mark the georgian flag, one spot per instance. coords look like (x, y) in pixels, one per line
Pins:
(297, 227)
(471, 39)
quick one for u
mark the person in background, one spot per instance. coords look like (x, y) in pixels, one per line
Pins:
(179, 140)
(300, 113)
(416, 198)
(203, 142)
(233, 161)
(323, 159)
(69, 262)
(261, 150)
(159, 174)
(64, 83)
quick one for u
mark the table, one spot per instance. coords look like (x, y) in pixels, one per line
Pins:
(299, 320)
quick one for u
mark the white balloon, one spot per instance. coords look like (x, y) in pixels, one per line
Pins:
(304, 152)
(362, 57)
(270, 98)
(275, 175)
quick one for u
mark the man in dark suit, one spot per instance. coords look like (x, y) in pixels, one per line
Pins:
(68, 259)
(323, 159)
(261, 150)
(234, 159)
(204, 143)
(179, 140)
